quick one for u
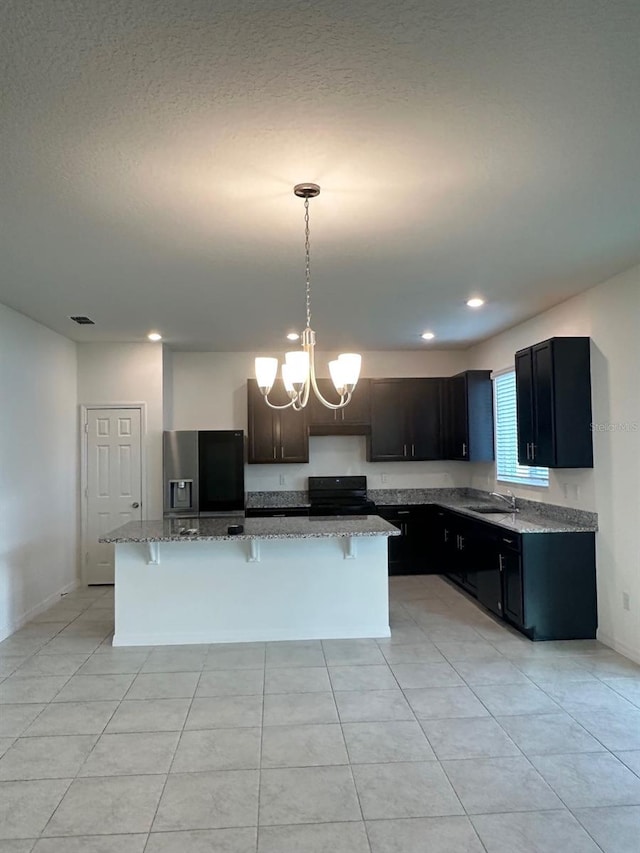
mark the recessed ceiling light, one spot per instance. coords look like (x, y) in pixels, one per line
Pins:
(475, 302)
(154, 336)
(427, 336)
(293, 336)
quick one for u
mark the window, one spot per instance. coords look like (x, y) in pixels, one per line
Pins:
(507, 467)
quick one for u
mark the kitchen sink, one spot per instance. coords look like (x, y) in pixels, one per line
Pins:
(492, 510)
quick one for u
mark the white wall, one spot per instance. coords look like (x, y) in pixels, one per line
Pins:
(209, 391)
(610, 315)
(38, 461)
(129, 373)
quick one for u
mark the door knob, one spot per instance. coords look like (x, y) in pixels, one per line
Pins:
(135, 504)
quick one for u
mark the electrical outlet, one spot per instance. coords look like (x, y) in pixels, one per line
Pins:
(283, 480)
(625, 601)
(383, 478)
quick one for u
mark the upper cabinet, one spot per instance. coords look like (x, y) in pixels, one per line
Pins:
(406, 420)
(553, 395)
(354, 419)
(469, 416)
(275, 435)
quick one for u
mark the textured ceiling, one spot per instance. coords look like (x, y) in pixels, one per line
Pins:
(149, 148)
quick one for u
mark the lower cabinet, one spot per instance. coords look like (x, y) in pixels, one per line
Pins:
(510, 567)
(412, 552)
(543, 584)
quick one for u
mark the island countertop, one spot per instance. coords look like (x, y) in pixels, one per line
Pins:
(215, 529)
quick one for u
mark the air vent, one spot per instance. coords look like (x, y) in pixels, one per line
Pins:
(83, 321)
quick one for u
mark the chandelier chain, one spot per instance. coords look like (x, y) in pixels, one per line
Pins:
(307, 268)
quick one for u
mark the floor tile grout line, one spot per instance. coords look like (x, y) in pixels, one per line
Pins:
(264, 683)
(155, 813)
(512, 661)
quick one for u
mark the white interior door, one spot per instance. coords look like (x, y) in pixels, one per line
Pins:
(113, 484)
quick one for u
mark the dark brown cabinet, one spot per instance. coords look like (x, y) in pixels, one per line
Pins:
(469, 416)
(510, 566)
(553, 397)
(354, 419)
(410, 553)
(275, 435)
(544, 584)
(406, 420)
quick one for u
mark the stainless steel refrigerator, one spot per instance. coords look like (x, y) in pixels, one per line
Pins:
(203, 472)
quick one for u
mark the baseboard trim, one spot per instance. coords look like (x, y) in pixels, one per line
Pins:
(182, 639)
(621, 648)
(15, 625)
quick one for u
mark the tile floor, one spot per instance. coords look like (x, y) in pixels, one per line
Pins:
(454, 736)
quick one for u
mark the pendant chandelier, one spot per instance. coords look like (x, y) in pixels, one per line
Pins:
(298, 369)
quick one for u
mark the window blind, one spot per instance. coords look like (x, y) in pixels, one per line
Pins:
(507, 466)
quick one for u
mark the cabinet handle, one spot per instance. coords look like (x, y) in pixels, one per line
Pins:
(275, 453)
(404, 449)
(508, 541)
(500, 605)
(282, 451)
(464, 448)
(403, 512)
(446, 535)
(461, 543)
(500, 563)
(533, 451)
(528, 457)
(413, 450)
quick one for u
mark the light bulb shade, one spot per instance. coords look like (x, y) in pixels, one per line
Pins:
(297, 363)
(266, 371)
(286, 378)
(350, 364)
(337, 376)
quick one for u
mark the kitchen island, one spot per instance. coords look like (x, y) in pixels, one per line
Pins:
(186, 580)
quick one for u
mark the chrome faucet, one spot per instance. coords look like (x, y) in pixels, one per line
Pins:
(510, 498)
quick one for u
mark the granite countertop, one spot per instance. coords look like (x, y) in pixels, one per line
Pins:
(214, 529)
(523, 521)
(533, 516)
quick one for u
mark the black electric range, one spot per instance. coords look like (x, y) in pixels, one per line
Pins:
(339, 496)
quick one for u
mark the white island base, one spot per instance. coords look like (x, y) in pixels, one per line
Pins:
(228, 591)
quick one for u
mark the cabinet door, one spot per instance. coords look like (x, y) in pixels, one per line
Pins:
(398, 546)
(513, 602)
(489, 589)
(543, 404)
(425, 413)
(449, 546)
(263, 427)
(388, 441)
(458, 443)
(293, 438)
(275, 435)
(465, 558)
(319, 415)
(524, 404)
(358, 412)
